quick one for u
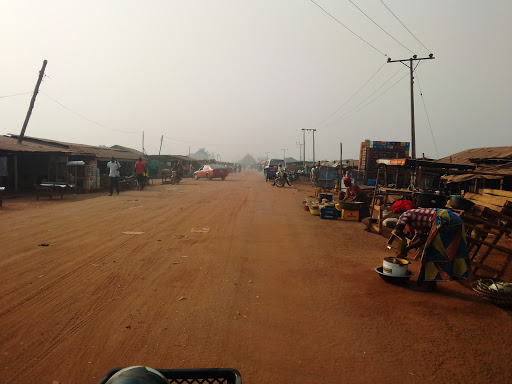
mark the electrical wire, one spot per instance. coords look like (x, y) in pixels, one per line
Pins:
(17, 94)
(85, 118)
(370, 95)
(178, 140)
(383, 30)
(426, 113)
(382, 94)
(351, 97)
(348, 29)
(405, 26)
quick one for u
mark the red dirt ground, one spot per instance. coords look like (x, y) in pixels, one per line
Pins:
(270, 290)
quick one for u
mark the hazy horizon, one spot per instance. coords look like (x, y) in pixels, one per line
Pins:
(245, 77)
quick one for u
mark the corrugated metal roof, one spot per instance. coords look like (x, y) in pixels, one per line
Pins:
(34, 144)
(501, 171)
(478, 153)
(11, 144)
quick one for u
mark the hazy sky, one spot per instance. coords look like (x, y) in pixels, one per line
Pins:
(245, 76)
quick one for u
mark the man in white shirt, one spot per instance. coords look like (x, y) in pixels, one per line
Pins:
(114, 174)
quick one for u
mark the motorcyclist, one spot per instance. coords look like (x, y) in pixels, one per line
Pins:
(179, 171)
(281, 173)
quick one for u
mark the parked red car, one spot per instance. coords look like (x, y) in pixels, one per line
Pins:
(211, 171)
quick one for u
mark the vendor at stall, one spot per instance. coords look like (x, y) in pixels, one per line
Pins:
(353, 192)
(441, 233)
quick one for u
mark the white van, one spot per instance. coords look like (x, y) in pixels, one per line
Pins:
(274, 163)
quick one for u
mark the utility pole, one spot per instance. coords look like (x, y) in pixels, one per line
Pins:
(304, 130)
(267, 154)
(411, 69)
(143, 151)
(32, 102)
(300, 150)
(284, 153)
(161, 142)
(314, 130)
(304, 147)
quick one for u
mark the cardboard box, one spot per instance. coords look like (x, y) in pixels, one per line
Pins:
(349, 215)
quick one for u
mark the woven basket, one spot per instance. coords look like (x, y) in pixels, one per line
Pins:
(496, 297)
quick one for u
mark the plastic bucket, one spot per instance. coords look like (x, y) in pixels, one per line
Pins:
(394, 266)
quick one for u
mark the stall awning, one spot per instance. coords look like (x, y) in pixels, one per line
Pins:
(391, 161)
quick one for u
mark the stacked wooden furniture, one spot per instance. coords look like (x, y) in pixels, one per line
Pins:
(383, 202)
(495, 199)
(488, 225)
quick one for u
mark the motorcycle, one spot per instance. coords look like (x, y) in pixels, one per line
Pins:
(175, 178)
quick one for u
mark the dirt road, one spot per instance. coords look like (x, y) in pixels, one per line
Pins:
(225, 274)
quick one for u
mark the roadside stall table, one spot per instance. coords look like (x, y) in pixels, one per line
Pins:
(50, 189)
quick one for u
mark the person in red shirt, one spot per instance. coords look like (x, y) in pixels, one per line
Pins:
(139, 171)
(354, 191)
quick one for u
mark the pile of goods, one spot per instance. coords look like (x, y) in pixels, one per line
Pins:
(495, 291)
(323, 206)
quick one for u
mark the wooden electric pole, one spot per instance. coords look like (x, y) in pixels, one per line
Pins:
(32, 102)
(161, 141)
(411, 70)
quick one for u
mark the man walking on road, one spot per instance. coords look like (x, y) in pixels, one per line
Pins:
(139, 171)
(114, 174)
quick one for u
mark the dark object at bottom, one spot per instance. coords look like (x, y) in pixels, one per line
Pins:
(394, 279)
(191, 376)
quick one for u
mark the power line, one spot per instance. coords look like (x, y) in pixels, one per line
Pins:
(370, 95)
(83, 117)
(426, 113)
(351, 97)
(405, 26)
(16, 94)
(348, 29)
(383, 30)
(178, 140)
(349, 113)
(376, 98)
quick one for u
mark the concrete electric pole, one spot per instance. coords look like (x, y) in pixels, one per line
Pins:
(411, 69)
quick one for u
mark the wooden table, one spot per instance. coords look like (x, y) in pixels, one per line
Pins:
(50, 189)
